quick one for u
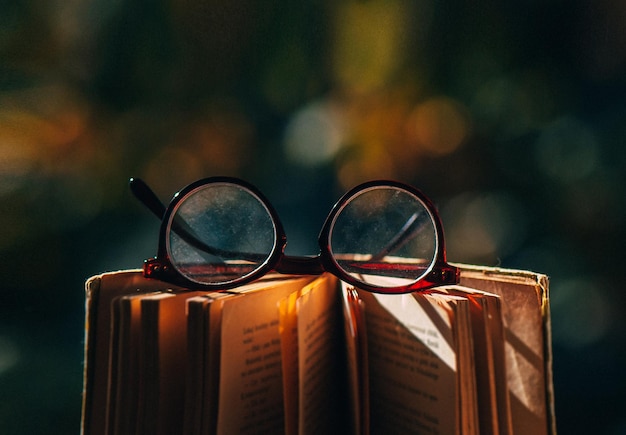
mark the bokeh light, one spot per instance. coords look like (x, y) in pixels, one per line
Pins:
(484, 228)
(579, 326)
(509, 115)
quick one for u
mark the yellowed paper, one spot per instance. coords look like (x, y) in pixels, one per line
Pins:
(412, 364)
(288, 327)
(100, 291)
(197, 331)
(320, 349)
(356, 360)
(251, 389)
(525, 310)
(125, 359)
(488, 342)
(163, 361)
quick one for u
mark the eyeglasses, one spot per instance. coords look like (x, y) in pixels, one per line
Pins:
(219, 233)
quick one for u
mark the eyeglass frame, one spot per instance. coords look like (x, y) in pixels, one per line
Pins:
(161, 267)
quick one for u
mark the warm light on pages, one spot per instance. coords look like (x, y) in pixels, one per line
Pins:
(411, 315)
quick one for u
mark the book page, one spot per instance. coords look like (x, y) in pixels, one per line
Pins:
(197, 332)
(288, 328)
(125, 362)
(488, 343)
(251, 389)
(100, 291)
(322, 392)
(212, 360)
(413, 363)
(525, 314)
(163, 362)
(462, 332)
(356, 360)
(204, 315)
(116, 349)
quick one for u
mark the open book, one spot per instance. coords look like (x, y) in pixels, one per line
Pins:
(303, 355)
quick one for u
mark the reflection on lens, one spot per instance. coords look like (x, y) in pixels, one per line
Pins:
(384, 236)
(219, 233)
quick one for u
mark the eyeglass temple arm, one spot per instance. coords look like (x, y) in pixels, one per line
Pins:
(446, 275)
(405, 234)
(148, 198)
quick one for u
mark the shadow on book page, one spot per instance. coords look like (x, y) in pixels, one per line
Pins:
(528, 408)
(413, 364)
(525, 311)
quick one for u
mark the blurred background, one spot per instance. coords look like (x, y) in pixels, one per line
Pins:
(509, 115)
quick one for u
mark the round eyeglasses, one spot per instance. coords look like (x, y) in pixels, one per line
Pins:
(221, 232)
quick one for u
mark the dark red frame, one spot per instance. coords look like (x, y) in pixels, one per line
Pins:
(160, 267)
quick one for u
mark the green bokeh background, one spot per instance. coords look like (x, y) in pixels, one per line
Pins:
(509, 115)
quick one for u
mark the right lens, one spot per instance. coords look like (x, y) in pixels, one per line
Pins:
(384, 236)
(219, 233)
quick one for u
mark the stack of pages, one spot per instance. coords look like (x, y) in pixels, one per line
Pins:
(309, 354)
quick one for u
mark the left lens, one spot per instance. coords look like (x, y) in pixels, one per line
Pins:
(220, 233)
(384, 236)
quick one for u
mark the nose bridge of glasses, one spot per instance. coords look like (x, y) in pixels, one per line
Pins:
(299, 265)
